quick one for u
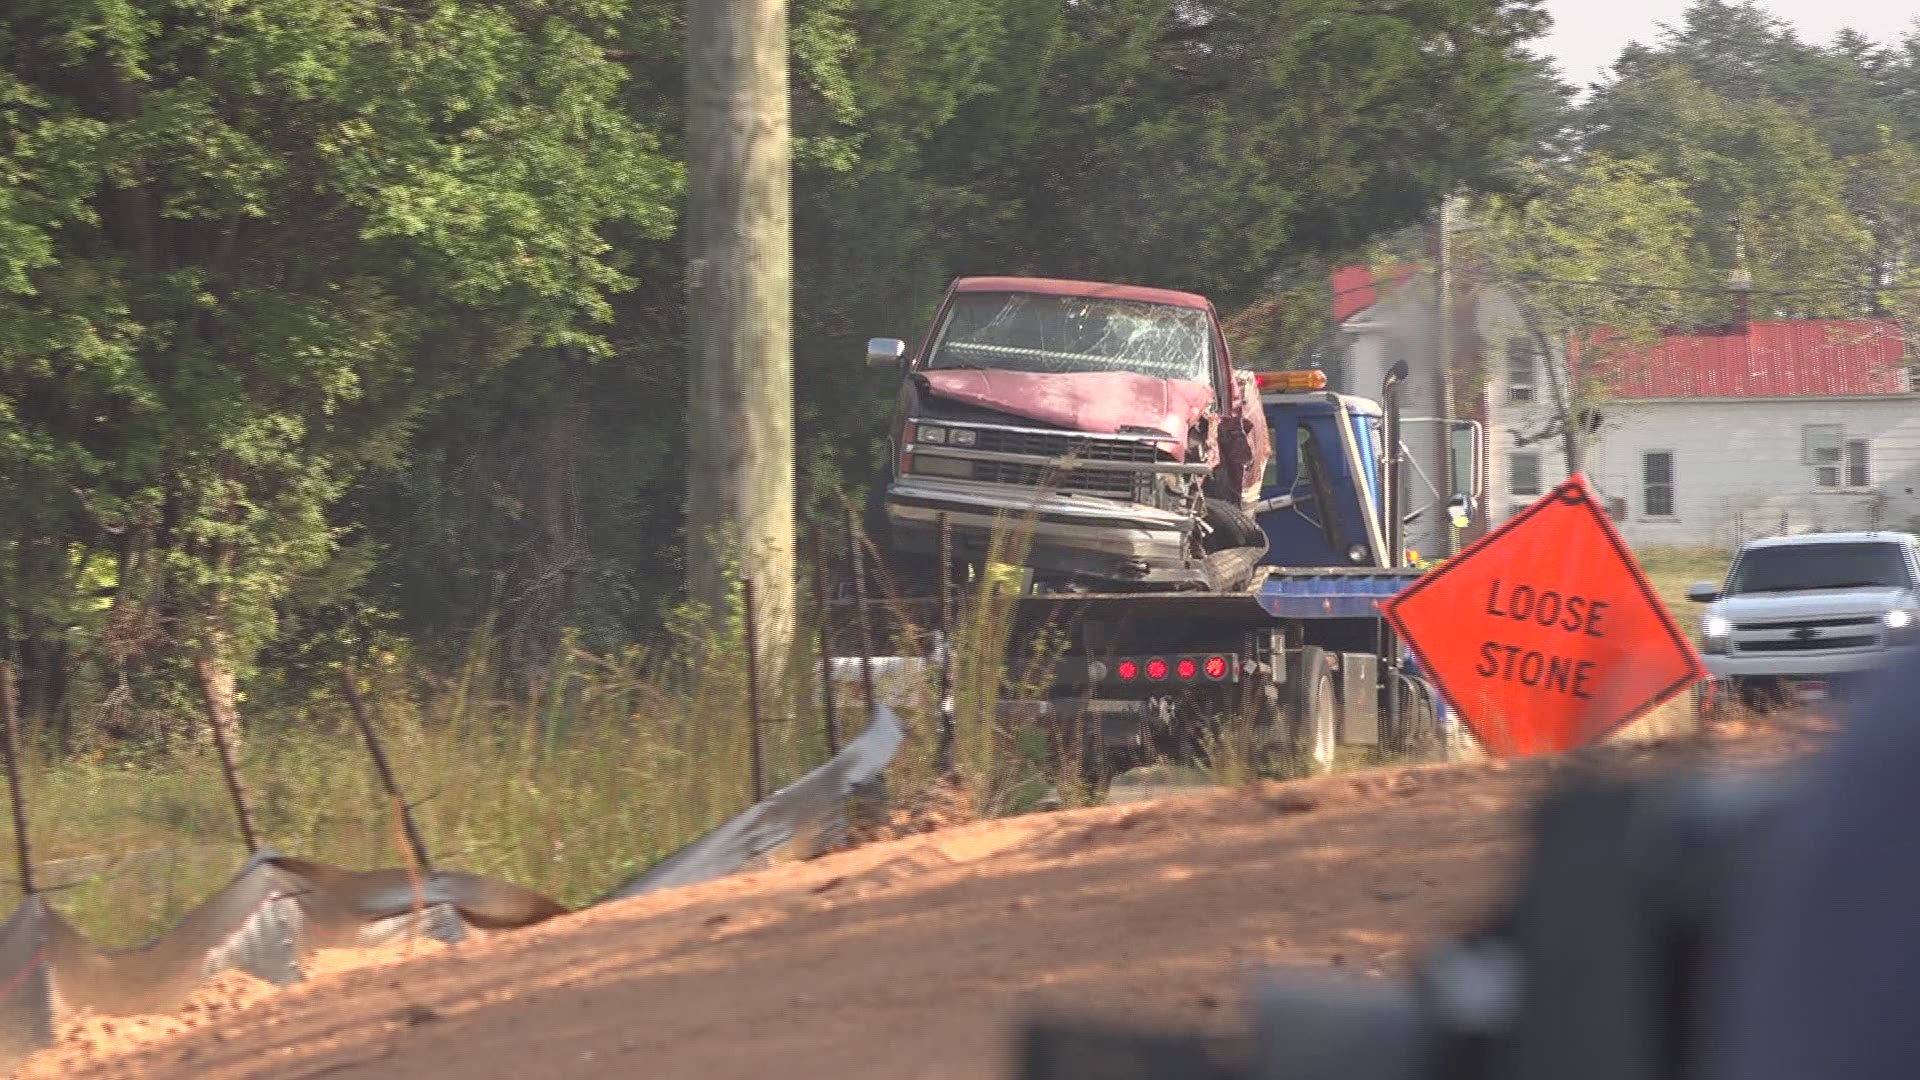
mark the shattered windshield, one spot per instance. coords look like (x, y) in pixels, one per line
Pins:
(1065, 334)
(1813, 567)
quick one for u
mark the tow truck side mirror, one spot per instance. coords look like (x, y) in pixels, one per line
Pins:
(1460, 511)
(885, 352)
(1703, 592)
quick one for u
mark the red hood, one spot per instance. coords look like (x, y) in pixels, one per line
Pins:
(1096, 402)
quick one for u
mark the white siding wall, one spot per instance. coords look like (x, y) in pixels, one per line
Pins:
(1738, 466)
(1515, 427)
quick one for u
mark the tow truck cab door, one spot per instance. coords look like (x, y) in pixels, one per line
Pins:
(1324, 453)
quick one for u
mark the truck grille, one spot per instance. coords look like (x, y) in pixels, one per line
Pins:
(1816, 645)
(1040, 444)
(1807, 636)
(1102, 482)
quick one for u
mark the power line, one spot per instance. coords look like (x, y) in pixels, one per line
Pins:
(1635, 286)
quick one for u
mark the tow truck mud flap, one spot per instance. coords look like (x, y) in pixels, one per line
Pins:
(1360, 699)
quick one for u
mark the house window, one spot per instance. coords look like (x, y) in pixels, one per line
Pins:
(1859, 463)
(1823, 446)
(1656, 484)
(1838, 462)
(1523, 474)
(1522, 388)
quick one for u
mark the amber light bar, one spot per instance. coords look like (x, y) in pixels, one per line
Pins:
(1285, 381)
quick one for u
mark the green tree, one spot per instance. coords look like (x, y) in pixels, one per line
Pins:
(1209, 144)
(1753, 168)
(242, 247)
(1596, 221)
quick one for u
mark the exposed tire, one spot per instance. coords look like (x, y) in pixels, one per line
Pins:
(1232, 569)
(1232, 527)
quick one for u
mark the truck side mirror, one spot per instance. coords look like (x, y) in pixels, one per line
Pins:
(1469, 459)
(1460, 511)
(885, 352)
(1703, 592)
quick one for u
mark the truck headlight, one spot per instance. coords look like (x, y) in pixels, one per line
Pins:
(1716, 631)
(960, 436)
(930, 434)
(1898, 619)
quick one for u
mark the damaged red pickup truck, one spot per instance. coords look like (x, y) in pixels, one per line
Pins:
(1110, 417)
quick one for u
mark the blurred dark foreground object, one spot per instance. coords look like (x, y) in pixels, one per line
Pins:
(1590, 970)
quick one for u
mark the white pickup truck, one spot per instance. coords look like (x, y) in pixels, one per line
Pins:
(1799, 616)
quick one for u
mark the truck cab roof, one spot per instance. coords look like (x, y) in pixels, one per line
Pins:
(1800, 539)
(1356, 405)
(1098, 290)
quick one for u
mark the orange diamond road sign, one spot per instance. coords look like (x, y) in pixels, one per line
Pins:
(1544, 635)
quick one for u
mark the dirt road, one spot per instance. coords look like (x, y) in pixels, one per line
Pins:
(906, 960)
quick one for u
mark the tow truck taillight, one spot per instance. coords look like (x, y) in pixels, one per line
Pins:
(1191, 669)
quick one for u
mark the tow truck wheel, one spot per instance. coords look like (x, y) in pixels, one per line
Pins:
(1317, 728)
(1416, 735)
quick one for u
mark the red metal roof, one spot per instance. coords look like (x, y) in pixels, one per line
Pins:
(1787, 359)
(1097, 289)
(1355, 289)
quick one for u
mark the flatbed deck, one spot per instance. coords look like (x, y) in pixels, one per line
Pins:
(1275, 592)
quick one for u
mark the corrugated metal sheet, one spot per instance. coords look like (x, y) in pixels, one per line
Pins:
(1785, 359)
(1355, 289)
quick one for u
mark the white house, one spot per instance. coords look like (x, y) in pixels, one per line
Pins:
(1706, 438)
(1709, 437)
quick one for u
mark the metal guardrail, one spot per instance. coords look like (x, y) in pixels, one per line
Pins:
(278, 910)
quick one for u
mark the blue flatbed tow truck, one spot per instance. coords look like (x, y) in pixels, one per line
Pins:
(1303, 651)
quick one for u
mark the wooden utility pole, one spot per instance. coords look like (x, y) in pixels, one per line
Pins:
(740, 501)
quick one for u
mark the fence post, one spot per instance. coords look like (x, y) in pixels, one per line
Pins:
(753, 691)
(10, 733)
(943, 706)
(364, 720)
(825, 613)
(214, 688)
(859, 564)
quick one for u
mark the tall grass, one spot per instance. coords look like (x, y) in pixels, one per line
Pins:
(606, 765)
(611, 764)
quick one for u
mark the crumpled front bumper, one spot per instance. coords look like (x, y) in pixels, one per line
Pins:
(1066, 533)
